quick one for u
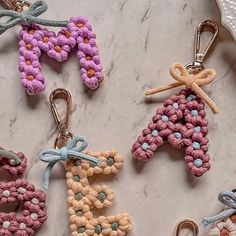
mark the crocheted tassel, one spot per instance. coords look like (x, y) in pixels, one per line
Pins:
(20, 190)
(35, 40)
(182, 122)
(84, 199)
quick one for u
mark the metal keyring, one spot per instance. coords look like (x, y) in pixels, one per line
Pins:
(187, 224)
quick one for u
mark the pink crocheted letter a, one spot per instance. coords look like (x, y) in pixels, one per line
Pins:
(181, 122)
(34, 40)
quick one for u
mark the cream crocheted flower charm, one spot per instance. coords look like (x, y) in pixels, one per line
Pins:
(223, 228)
(84, 199)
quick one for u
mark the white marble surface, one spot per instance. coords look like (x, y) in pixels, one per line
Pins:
(138, 40)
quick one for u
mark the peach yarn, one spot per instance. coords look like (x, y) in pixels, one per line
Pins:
(83, 198)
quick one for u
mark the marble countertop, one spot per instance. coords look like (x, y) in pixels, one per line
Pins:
(138, 41)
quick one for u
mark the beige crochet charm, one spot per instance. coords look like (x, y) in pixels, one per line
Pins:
(83, 198)
(224, 228)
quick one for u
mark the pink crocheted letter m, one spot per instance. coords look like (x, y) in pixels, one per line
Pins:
(182, 122)
(34, 40)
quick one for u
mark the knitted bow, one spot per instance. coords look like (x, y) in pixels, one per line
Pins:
(228, 198)
(190, 81)
(28, 17)
(52, 156)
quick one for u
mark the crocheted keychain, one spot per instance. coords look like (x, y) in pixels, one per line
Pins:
(20, 190)
(182, 120)
(80, 165)
(34, 40)
(225, 222)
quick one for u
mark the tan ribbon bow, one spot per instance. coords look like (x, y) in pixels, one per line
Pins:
(194, 82)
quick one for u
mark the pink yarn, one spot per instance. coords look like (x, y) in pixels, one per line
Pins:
(34, 40)
(34, 208)
(14, 170)
(182, 122)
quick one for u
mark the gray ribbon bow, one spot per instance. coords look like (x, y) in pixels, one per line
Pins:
(52, 156)
(228, 198)
(28, 17)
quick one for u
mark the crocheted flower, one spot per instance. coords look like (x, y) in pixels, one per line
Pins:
(8, 224)
(80, 228)
(23, 189)
(31, 30)
(154, 135)
(90, 167)
(28, 60)
(198, 163)
(32, 80)
(164, 118)
(223, 228)
(112, 162)
(190, 95)
(177, 138)
(92, 75)
(177, 103)
(78, 23)
(12, 167)
(145, 146)
(79, 210)
(118, 225)
(29, 44)
(199, 143)
(37, 201)
(98, 226)
(197, 128)
(7, 193)
(80, 194)
(43, 37)
(69, 36)
(101, 196)
(59, 51)
(76, 177)
(24, 227)
(87, 57)
(194, 112)
(86, 39)
(35, 217)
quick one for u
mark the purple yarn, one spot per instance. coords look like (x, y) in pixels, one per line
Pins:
(34, 40)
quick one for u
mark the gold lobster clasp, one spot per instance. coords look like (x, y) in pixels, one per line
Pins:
(62, 124)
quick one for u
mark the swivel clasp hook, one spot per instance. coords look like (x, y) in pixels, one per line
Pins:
(199, 56)
(62, 124)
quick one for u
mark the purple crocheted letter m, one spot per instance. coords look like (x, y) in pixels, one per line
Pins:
(34, 40)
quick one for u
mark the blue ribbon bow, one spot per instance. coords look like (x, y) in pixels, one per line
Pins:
(228, 198)
(28, 17)
(52, 156)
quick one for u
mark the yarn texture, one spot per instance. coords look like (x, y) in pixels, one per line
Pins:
(70, 150)
(182, 123)
(83, 197)
(34, 40)
(225, 221)
(20, 190)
